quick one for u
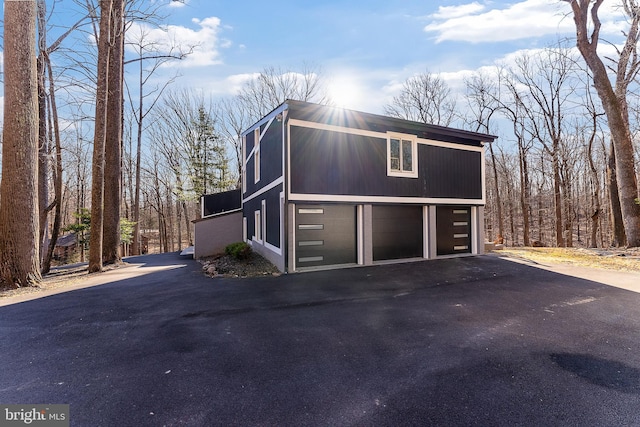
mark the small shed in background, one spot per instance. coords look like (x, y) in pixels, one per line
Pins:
(220, 225)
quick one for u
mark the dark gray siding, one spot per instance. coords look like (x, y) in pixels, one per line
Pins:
(272, 212)
(221, 202)
(248, 209)
(273, 217)
(327, 162)
(271, 147)
(450, 173)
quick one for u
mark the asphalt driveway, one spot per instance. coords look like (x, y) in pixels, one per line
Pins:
(469, 341)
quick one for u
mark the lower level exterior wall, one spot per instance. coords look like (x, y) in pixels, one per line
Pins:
(375, 229)
(213, 234)
(269, 254)
(263, 225)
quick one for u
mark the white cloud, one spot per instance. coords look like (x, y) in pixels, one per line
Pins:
(234, 83)
(450, 12)
(526, 19)
(204, 41)
(178, 3)
(477, 23)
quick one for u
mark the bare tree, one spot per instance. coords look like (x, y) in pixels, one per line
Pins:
(48, 134)
(424, 98)
(113, 137)
(99, 141)
(482, 99)
(186, 139)
(233, 118)
(150, 56)
(19, 222)
(513, 108)
(273, 86)
(547, 77)
(614, 98)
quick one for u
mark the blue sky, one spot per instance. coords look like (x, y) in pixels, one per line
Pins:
(365, 48)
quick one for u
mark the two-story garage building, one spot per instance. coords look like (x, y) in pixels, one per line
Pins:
(325, 187)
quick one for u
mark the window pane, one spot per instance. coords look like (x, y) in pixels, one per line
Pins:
(394, 149)
(407, 156)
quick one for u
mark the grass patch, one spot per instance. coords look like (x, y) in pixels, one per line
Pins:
(610, 259)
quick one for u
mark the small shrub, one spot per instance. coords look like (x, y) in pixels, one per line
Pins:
(238, 250)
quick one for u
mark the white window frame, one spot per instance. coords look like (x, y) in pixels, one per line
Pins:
(256, 157)
(413, 140)
(257, 226)
(244, 229)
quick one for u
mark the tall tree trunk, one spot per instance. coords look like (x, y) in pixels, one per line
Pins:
(613, 103)
(525, 195)
(595, 193)
(113, 143)
(57, 180)
(97, 182)
(43, 142)
(568, 214)
(557, 200)
(19, 219)
(500, 238)
(179, 223)
(135, 246)
(187, 223)
(617, 223)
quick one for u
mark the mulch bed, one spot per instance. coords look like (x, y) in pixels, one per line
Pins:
(228, 266)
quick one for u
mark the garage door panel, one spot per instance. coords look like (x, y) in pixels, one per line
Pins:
(453, 233)
(397, 232)
(325, 235)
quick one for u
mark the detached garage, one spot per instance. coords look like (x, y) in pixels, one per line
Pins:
(324, 187)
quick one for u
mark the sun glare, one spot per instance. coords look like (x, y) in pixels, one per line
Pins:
(344, 92)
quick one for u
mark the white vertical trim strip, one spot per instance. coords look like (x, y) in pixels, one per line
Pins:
(360, 231)
(244, 229)
(263, 219)
(483, 173)
(288, 167)
(426, 231)
(433, 232)
(292, 248)
(282, 224)
(473, 233)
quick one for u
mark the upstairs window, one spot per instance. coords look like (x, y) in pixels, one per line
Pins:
(402, 158)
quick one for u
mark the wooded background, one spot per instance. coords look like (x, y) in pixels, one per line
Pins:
(120, 143)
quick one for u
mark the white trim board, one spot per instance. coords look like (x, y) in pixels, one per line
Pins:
(295, 197)
(380, 135)
(221, 213)
(263, 190)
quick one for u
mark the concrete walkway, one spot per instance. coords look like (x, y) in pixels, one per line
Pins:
(629, 280)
